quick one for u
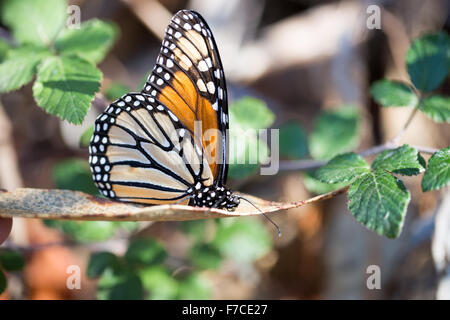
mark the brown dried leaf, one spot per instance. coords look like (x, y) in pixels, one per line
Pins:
(74, 205)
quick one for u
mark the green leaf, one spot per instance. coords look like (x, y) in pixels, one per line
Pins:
(160, 284)
(85, 138)
(193, 287)
(391, 93)
(73, 174)
(3, 282)
(145, 251)
(20, 66)
(85, 231)
(334, 132)
(11, 260)
(427, 61)
(246, 152)
(99, 262)
(250, 113)
(316, 186)
(4, 48)
(119, 285)
(205, 256)
(65, 86)
(34, 21)
(91, 41)
(343, 168)
(115, 91)
(378, 200)
(436, 107)
(293, 143)
(194, 228)
(403, 160)
(242, 239)
(437, 174)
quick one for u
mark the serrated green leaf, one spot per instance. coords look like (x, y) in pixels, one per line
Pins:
(427, 61)
(91, 41)
(3, 282)
(34, 21)
(293, 142)
(391, 93)
(403, 160)
(86, 136)
(242, 239)
(11, 260)
(20, 66)
(65, 86)
(194, 287)
(205, 256)
(160, 284)
(437, 174)
(145, 251)
(99, 262)
(250, 113)
(73, 174)
(334, 132)
(115, 91)
(378, 200)
(436, 107)
(343, 168)
(316, 186)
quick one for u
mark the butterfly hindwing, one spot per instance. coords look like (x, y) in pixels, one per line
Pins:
(188, 79)
(141, 152)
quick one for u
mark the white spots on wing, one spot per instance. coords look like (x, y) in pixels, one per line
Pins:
(160, 107)
(224, 118)
(104, 140)
(185, 17)
(118, 110)
(159, 82)
(160, 60)
(94, 159)
(147, 88)
(211, 87)
(202, 66)
(139, 97)
(198, 186)
(177, 35)
(105, 126)
(121, 104)
(191, 16)
(220, 93)
(136, 103)
(102, 148)
(153, 93)
(208, 62)
(197, 27)
(159, 69)
(166, 50)
(127, 98)
(167, 76)
(169, 63)
(204, 32)
(102, 160)
(201, 85)
(104, 117)
(149, 108)
(187, 26)
(96, 138)
(174, 118)
(172, 46)
(215, 106)
(177, 20)
(107, 168)
(152, 78)
(181, 132)
(111, 109)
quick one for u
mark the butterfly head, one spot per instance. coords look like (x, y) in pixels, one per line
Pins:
(215, 197)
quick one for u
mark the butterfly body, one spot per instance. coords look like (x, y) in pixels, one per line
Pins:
(151, 147)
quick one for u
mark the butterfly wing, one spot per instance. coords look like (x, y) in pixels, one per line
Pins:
(188, 78)
(141, 152)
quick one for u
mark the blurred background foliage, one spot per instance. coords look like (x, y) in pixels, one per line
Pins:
(285, 69)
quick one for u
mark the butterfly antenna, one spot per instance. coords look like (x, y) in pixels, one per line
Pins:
(264, 214)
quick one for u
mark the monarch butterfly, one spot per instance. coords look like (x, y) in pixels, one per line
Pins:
(144, 149)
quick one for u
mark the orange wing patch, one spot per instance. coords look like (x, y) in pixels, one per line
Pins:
(192, 107)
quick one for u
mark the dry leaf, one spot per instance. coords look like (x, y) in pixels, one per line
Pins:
(75, 205)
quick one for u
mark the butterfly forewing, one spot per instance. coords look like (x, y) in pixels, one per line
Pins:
(188, 78)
